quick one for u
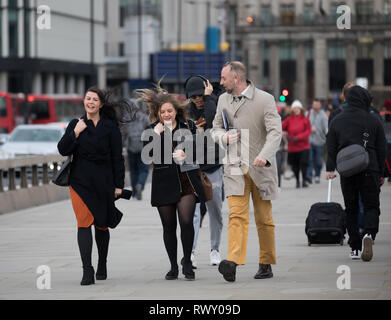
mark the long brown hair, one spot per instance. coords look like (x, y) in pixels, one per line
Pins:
(155, 98)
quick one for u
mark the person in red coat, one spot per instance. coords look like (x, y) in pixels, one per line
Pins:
(297, 129)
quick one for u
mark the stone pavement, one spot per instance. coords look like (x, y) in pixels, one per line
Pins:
(138, 261)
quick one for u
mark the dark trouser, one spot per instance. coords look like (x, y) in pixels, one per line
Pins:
(138, 170)
(299, 162)
(366, 184)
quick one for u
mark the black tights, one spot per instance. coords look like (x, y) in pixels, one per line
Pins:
(84, 240)
(185, 207)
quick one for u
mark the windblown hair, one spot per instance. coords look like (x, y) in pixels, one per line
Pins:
(121, 112)
(155, 98)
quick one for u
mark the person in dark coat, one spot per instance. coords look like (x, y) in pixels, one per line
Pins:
(96, 178)
(357, 125)
(173, 188)
(202, 109)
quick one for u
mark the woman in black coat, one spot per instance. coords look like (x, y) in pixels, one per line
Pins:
(96, 178)
(173, 189)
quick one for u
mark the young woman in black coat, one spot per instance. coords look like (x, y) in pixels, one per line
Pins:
(172, 190)
(96, 179)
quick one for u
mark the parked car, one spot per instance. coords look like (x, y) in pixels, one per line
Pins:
(4, 138)
(32, 139)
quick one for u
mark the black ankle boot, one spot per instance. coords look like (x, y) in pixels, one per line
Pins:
(188, 272)
(88, 276)
(172, 274)
(101, 273)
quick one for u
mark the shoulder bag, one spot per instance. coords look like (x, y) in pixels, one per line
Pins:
(353, 159)
(62, 176)
(205, 181)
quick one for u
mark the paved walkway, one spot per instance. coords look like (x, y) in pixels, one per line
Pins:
(46, 235)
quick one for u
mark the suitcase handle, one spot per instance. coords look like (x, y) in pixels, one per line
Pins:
(329, 191)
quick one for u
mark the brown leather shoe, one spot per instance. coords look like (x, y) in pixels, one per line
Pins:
(264, 271)
(228, 270)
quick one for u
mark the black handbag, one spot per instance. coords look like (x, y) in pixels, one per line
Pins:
(353, 159)
(62, 176)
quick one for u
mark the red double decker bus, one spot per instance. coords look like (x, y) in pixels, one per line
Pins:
(43, 109)
(38, 109)
(9, 114)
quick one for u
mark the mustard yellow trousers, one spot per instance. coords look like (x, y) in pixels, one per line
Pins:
(239, 222)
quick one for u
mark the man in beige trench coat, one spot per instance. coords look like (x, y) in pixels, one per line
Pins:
(250, 168)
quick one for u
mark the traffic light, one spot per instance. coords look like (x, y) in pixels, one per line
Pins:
(284, 95)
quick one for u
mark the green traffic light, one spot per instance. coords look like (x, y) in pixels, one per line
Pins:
(282, 98)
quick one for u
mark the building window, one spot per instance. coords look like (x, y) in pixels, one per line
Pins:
(287, 14)
(122, 12)
(27, 21)
(309, 50)
(121, 49)
(266, 15)
(287, 51)
(387, 49)
(336, 50)
(387, 11)
(308, 14)
(365, 50)
(13, 27)
(364, 12)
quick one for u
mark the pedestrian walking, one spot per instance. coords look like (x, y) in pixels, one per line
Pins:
(138, 169)
(297, 129)
(337, 111)
(252, 170)
(96, 178)
(202, 110)
(173, 189)
(319, 128)
(356, 125)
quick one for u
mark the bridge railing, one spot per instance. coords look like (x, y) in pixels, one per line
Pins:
(27, 182)
(31, 171)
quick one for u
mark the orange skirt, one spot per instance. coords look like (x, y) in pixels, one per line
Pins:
(84, 216)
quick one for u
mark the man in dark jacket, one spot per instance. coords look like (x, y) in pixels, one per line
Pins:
(356, 125)
(202, 109)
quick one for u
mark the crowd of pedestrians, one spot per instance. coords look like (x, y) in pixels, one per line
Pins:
(247, 147)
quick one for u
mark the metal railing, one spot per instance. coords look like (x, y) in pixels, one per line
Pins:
(28, 171)
(22, 173)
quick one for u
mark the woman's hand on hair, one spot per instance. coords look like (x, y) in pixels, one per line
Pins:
(80, 127)
(159, 128)
(208, 88)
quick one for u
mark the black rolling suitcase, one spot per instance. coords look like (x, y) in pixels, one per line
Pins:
(325, 223)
